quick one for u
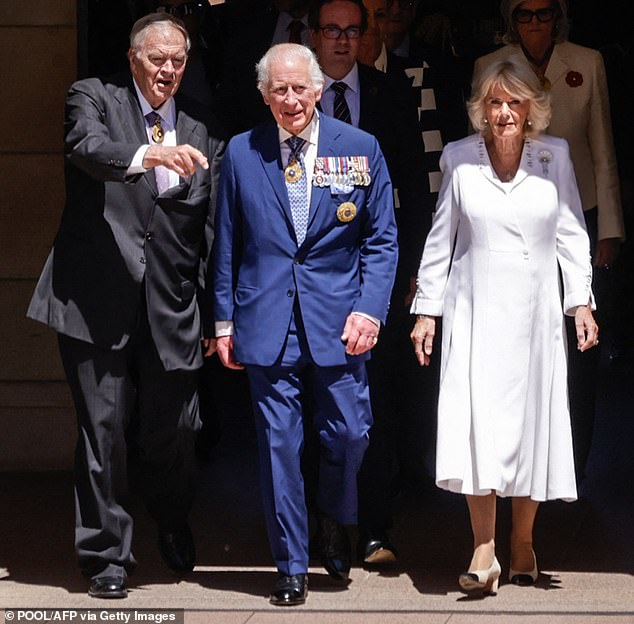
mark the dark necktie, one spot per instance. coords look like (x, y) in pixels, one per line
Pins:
(295, 29)
(297, 187)
(341, 110)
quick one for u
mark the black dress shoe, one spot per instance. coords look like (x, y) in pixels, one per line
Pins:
(177, 550)
(289, 590)
(108, 587)
(375, 548)
(334, 548)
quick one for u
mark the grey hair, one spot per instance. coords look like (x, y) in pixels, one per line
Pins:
(516, 77)
(288, 52)
(560, 29)
(160, 21)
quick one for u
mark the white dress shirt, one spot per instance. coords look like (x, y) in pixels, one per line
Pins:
(352, 95)
(167, 111)
(281, 33)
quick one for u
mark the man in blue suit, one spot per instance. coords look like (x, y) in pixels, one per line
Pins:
(305, 257)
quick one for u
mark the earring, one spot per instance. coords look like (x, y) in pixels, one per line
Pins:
(529, 123)
(485, 121)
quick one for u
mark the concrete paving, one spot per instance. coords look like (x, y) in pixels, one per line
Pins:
(585, 549)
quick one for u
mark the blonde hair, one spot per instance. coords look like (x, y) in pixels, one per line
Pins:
(515, 76)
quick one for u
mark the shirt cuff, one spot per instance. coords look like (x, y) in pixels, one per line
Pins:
(136, 166)
(224, 328)
(370, 318)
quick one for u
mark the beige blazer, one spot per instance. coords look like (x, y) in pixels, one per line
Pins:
(581, 115)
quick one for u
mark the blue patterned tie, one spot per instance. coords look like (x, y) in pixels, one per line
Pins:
(298, 190)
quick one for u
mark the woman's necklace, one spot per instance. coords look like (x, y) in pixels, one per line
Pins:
(539, 65)
(506, 167)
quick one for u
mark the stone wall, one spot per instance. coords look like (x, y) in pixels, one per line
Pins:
(38, 48)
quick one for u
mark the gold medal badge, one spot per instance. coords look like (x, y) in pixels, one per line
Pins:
(158, 133)
(346, 212)
(293, 172)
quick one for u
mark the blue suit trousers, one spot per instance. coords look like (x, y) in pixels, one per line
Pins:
(340, 404)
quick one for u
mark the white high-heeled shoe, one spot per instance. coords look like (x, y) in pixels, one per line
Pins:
(525, 578)
(485, 581)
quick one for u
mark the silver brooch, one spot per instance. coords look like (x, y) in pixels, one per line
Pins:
(545, 158)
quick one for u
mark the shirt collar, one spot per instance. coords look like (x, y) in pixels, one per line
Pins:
(167, 110)
(351, 79)
(310, 133)
(285, 18)
(381, 60)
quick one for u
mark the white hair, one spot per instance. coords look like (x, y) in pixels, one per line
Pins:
(159, 21)
(288, 52)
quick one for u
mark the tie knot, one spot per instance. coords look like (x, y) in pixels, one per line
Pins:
(295, 143)
(339, 87)
(153, 117)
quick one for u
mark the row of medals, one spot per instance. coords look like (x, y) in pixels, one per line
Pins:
(347, 210)
(293, 173)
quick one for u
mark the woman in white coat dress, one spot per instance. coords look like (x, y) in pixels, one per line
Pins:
(508, 221)
(574, 76)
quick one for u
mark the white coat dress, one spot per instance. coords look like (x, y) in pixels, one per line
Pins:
(503, 419)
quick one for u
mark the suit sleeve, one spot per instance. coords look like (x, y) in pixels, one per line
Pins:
(88, 143)
(206, 274)
(225, 242)
(378, 246)
(573, 245)
(434, 266)
(610, 214)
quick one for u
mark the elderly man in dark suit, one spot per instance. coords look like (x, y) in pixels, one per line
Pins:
(304, 259)
(120, 288)
(381, 104)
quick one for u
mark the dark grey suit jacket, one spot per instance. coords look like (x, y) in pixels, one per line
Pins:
(120, 244)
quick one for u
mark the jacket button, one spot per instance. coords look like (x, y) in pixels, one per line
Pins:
(290, 293)
(142, 260)
(148, 236)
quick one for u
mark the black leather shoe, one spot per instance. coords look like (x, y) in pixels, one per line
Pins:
(375, 548)
(108, 587)
(177, 550)
(289, 590)
(334, 548)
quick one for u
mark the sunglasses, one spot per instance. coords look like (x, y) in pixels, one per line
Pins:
(524, 16)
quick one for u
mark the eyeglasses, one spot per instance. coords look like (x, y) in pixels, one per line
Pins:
(182, 10)
(334, 32)
(524, 16)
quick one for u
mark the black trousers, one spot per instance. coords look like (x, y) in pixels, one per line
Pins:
(402, 439)
(583, 368)
(108, 387)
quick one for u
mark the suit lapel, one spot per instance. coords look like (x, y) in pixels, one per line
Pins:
(325, 147)
(557, 65)
(267, 145)
(134, 125)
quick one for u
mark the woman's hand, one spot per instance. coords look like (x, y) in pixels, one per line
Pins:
(423, 338)
(587, 329)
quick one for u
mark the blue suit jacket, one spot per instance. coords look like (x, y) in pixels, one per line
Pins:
(339, 268)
